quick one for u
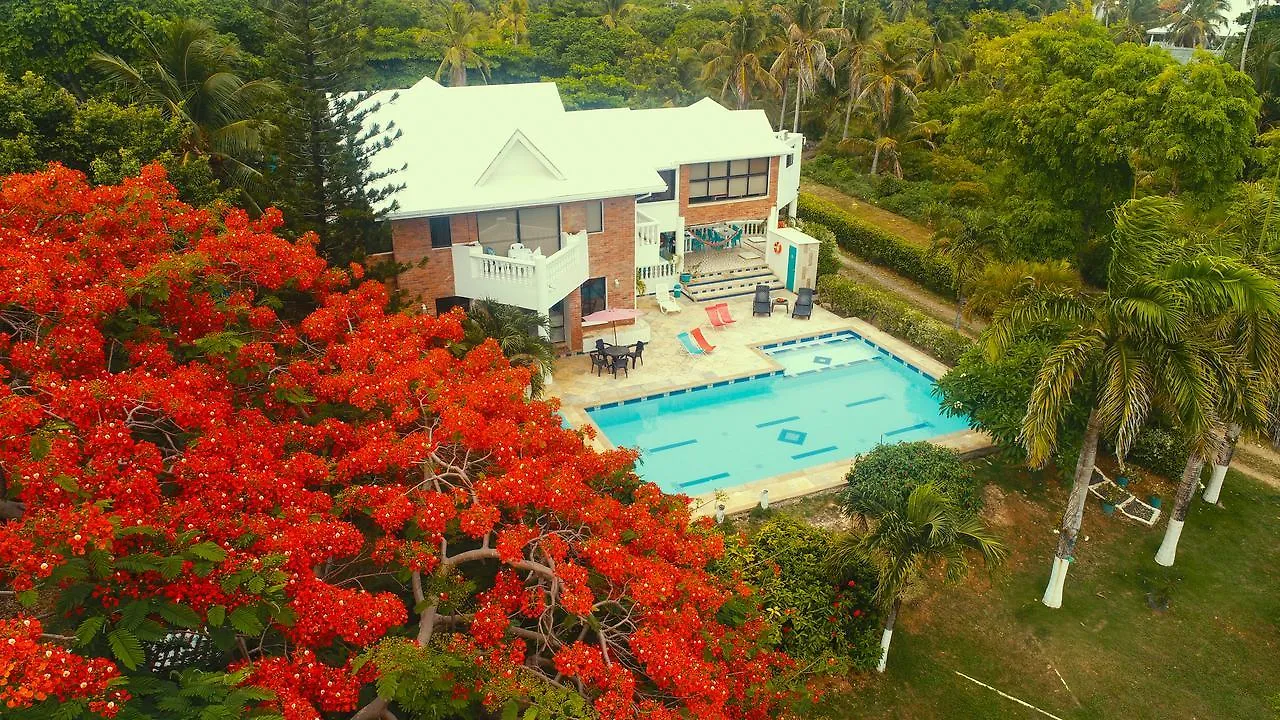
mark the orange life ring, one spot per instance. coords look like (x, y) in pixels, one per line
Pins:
(777, 248)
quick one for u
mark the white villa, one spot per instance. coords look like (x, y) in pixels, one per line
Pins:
(1163, 36)
(510, 197)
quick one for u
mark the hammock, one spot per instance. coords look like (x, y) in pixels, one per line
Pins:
(718, 237)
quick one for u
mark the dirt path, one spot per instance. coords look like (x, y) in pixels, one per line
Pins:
(912, 232)
(1258, 461)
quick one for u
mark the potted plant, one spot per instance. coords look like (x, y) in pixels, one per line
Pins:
(1111, 497)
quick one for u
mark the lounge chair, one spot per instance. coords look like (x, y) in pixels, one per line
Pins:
(763, 304)
(804, 304)
(713, 314)
(701, 339)
(666, 301)
(689, 346)
(723, 310)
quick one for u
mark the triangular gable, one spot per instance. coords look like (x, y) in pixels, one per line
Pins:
(519, 158)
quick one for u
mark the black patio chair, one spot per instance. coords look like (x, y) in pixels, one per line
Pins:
(601, 345)
(804, 304)
(763, 304)
(598, 362)
(622, 362)
(637, 353)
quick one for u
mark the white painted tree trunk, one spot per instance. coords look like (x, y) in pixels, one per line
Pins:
(795, 124)
(1248, 33)
(782, 114)
(887, 635)
(1214, 488)
(1073, 516)
(1177, 518)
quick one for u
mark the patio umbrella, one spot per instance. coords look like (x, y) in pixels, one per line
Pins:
(612, 316)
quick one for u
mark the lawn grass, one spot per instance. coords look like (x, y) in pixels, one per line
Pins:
(1214, 653)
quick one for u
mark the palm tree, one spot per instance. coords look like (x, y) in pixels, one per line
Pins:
(908, 539)
(889, 78)
(736, 57)
(805, 52)
(513, 17)
(969, 244)
(997, 282)
(189, 75)
(463, 30)
(614, 11)
(1122, 351)
(891, 142)
(862, 27)
(518, 332)
(1200, 21)
(941, 59)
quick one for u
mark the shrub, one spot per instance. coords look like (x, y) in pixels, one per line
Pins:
(817, 616)
(968, 193)
(828, 261)
(889, 472)
(882, 248)
(847, 298)
(1160, 450)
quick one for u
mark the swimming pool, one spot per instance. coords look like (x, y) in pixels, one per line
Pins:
(835, 396)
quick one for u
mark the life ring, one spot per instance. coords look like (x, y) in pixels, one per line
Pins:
(777, 247)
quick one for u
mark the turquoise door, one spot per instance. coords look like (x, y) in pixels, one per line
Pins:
(791, 268)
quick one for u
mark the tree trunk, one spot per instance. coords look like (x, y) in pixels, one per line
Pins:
(875, 159)
(959, 309)
(848, 110)
(888, 635)
(1074, 514)
(1248, 33)
(795, 124)
(782, 114)
(1190, 479)
(1214, 488)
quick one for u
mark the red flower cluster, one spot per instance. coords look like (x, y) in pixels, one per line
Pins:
(205, 407)
(32, 671)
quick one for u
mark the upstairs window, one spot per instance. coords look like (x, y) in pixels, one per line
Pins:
(441, 237)
(595, 216)
(669, 177)
(728, 180)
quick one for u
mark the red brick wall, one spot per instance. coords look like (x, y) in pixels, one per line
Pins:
(748, 209)
(411, 243)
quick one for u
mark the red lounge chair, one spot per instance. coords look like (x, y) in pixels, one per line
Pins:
(723, 310)
(701, 339)
(713, 314)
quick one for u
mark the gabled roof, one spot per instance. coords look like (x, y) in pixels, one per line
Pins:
(490, 147)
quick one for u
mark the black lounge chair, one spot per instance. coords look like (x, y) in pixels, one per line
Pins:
(804, 304)
(763, 304)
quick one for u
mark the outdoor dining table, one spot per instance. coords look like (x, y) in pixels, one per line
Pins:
(615, 351)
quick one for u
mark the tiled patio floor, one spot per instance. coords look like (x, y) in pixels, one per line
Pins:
(667, 366)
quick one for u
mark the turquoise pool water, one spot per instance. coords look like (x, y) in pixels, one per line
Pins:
(836, 396)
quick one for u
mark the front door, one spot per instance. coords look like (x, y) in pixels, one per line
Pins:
(791, 268)
(593, 296)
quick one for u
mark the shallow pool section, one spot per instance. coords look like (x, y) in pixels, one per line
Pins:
(836, 396)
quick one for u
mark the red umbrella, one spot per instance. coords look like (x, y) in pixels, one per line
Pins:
(612, 316)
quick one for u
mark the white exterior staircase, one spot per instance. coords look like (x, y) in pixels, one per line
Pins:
(735, 282)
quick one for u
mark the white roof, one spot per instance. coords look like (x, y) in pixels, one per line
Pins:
(488, 147)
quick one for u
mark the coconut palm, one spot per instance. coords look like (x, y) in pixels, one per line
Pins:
(890, 143)
(464, 28)
(862, 26)
(941, 59)
(970, 243)
(736, 58)
(518, 332)
(615, 11)
(909, 538)
(513, 17)
(997, 282)
(889, 78)
(804, 54)
(1139, 344)
(1200, 21)
(189, 74)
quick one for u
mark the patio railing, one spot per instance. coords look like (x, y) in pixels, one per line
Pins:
(646, 230)
(535, 282)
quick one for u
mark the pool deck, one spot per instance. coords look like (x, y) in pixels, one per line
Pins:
(666, 366)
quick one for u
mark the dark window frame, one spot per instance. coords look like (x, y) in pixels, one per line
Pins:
(448, 302)
(603, 298)
(728, 178)
(669, 194)
(600, 227)
(433, 224)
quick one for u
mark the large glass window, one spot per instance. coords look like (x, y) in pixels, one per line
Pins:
(593, 296)
(669, 177)
(728, 180)
(537, 227)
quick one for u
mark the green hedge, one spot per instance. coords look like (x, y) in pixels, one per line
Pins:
(847, 298)
(828, 261)
(882, 248)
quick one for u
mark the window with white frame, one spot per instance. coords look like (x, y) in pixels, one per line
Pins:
(595, 216)
(728, 180)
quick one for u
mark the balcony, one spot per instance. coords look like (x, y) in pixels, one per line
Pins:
(534, 282)
(650, 265)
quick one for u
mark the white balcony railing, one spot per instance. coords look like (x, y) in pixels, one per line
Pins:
(647, 233)
(656, 271)
(535, 282)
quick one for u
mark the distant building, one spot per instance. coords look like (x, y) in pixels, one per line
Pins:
(510, 197)
(1163, 36)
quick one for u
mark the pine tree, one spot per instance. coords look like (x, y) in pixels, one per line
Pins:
(322, 178)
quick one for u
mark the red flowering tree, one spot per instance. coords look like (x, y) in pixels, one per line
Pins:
(231, 478)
